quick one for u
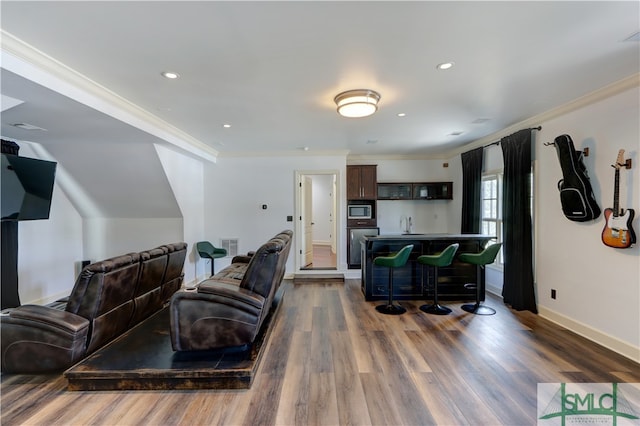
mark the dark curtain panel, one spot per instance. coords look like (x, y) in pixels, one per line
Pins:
(9, 250)
(518, 288)
(471, 185)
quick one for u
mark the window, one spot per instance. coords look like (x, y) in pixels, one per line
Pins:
(491, 194)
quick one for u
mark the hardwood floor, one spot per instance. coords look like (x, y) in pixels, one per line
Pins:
(323, 258)
(332, 359)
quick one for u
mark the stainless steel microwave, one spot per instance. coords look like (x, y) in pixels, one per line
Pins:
(359, 211)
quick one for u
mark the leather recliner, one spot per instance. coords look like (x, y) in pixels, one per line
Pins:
(221, 313)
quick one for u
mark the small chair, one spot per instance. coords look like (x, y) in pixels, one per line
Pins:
(444, 258)
(206, 250)
(396, 260)
(486, 256)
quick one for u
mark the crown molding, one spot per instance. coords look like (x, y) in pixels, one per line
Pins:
(284, 153)
(25, 60)
(381, 157)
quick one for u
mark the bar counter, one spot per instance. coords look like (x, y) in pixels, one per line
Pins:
(408, 281)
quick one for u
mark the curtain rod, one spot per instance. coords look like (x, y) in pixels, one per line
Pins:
(498, 142)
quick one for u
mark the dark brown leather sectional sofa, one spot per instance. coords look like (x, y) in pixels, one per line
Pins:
(228, 309)
(109, 297)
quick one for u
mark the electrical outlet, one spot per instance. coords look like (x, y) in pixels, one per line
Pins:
(553, 293)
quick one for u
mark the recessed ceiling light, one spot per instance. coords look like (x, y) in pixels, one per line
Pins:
(444, 65)
(480, 120)
(455, 133)
(372, 141)
(170, 75)
(402, 114)
(226, 126)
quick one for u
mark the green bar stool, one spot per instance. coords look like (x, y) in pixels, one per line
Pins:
(393, 261)
(486, 256)
(437, 261)
(206, 250)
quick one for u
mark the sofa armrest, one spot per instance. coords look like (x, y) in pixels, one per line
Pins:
(48, 318)
(230, 291)
(39, 339)
(216, 316)
(241, 258)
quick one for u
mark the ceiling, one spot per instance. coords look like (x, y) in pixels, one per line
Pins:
(272, 69)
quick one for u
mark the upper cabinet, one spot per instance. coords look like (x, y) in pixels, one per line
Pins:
(395, 191)
(361, 182)
(415, 191)
(433, 191)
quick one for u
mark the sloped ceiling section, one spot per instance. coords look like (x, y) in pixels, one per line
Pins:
(120, 171)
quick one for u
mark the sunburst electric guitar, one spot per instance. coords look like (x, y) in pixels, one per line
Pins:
(617, 230)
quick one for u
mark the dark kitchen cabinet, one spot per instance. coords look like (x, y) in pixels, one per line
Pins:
(415, 191)
(361, 182)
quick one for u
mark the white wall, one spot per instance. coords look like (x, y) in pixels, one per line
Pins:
(109, 237)
(186, 177)
(49, 251)
(598, 287)
(236, 188)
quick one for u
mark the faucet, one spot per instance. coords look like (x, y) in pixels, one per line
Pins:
(406, 224)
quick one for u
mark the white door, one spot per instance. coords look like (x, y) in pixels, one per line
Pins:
(307, 220)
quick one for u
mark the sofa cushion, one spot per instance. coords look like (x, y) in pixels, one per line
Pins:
(261, 270)
(104, 285)
(232, 274)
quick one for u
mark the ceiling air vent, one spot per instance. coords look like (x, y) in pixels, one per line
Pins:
(27, 126)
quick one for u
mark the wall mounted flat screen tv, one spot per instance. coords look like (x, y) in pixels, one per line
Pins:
(26, 187)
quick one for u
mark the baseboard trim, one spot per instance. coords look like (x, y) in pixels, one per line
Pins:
(618, 346)
(49, 299)
(623, 348)
(494, 289)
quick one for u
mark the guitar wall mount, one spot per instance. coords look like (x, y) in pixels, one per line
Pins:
(626, 164)
(585, 151)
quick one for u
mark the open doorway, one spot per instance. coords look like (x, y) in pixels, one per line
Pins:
(317, 226)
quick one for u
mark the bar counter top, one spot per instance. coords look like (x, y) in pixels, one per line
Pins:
(428, 237)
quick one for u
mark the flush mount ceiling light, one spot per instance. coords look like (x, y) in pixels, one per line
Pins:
(357, 103)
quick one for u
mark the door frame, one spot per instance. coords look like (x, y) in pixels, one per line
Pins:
(298, 223)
